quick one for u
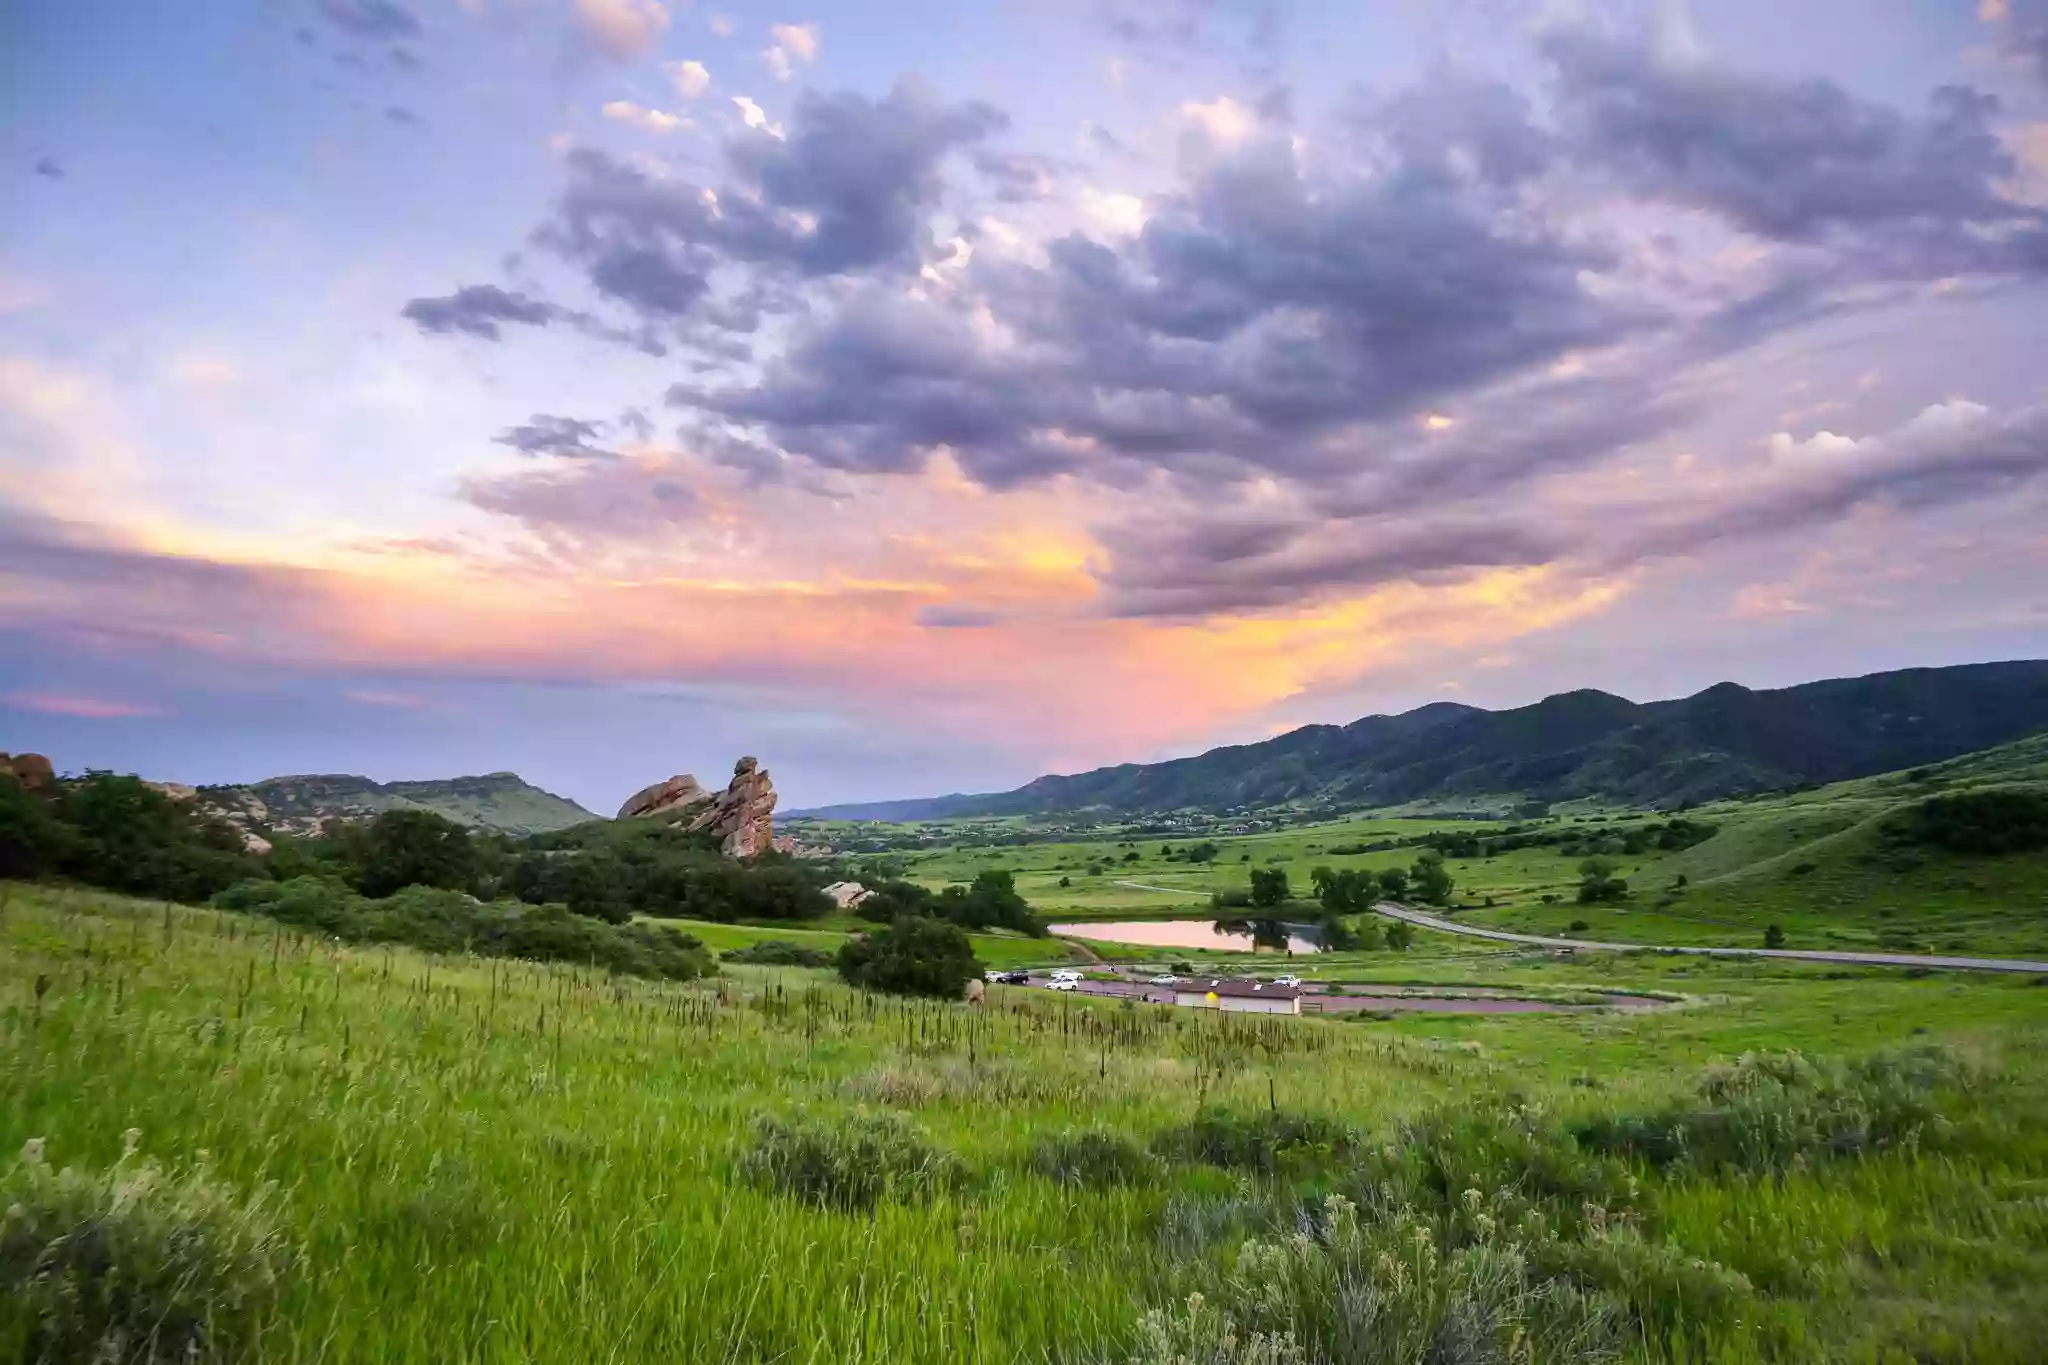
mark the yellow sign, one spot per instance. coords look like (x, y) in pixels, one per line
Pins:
(1210, 998)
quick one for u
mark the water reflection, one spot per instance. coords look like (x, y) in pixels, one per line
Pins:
(1230, 935)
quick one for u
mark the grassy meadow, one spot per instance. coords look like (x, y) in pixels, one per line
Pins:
(480, 1161)
(1814, 863)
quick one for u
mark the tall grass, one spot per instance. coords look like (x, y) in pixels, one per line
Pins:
(485, 1160)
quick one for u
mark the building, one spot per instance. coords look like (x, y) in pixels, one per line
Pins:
(1239, 997)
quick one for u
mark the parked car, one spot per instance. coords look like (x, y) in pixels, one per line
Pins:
(992, 976)
(1015, 977)
(1166, 979)
(1066, 974)
(1288, 980)
(1063, 983)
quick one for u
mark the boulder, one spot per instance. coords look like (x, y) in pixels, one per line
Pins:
(664, 797)
(846, 895)
(33, 771)
(742, 815)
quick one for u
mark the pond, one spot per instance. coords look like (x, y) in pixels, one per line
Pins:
(1189, 933)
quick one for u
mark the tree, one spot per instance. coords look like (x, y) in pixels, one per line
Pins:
(1394, 881)
(1366, 935)
(1774, 937)
(1269, 887)
(1598, 883)
(1432, 879)
(1204, 852)
(911, 957)
(1400, 935)
(1319, 879)
(415, 848)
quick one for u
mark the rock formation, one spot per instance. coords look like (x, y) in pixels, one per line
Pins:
(742, 815)
(846, 895)
(664, 797)
(33, 771)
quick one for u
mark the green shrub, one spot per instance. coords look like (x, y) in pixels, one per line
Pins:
(780, 952)
(1090, 1156)
(1196, 1333)
(1773, 1111)
(2001, 820)
(1262, 1141)
(847, 1163)
(440, 921)
(132, 1265)
(911, 957)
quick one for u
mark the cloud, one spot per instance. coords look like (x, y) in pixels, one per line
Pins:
(371, 20)
(86, 708)
(542, 434)
(622, 29)
(477, 310)
(403, 117)
(48, 168)
(722, 25)
(2023, 30)
(754, 117)
(690, 79)
(650, 120)
(1800, 161)
(788, 45)
(950, 617)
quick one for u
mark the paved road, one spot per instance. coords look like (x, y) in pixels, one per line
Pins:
(1968, 964)
(1169, 890)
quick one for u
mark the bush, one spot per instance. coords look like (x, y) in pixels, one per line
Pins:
(438, 921)
(2001, 820)
(1773, 1111)
(911, 957)
(1258, 1142)
(133, 1265)
(1598, 884)
(780, 952)
(849, 1163)
(404, 848)
(1094, 1157)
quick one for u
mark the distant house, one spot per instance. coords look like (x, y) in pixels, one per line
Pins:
(846, 895)
(1238, 997)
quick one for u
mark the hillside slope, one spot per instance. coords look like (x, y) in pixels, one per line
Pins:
(1724, 741)
(502, 802)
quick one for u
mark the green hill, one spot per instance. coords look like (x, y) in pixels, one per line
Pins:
(1850, 865)
(503, 802)
(1725, 741)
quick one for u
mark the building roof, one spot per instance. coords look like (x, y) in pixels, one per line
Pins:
(1264, 990)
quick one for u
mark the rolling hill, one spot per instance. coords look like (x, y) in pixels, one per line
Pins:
(503, 802)
(1724, 741)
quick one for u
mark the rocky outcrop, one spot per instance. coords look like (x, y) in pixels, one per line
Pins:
(846, 895)
(742, 816)
(228, 811)
(664, 798)
(33, 771)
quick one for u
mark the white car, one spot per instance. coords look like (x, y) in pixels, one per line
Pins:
(992, 976)
(1066, 974)
(1063, 983)
(1166, 979)
(1287, 981)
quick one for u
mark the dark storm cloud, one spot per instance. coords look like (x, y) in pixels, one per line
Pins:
(370, 20)
(543, 434)
(1795, 161)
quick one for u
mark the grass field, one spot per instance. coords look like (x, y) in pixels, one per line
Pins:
(1810, 862)
(478, 1161)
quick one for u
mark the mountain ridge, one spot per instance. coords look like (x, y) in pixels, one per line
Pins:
(1725, 739)
(300, 803)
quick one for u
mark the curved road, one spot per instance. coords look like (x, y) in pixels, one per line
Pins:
(1970, 964)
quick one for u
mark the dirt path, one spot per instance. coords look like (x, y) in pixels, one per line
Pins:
(1968, 964)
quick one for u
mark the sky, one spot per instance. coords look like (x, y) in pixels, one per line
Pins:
(925, 397)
